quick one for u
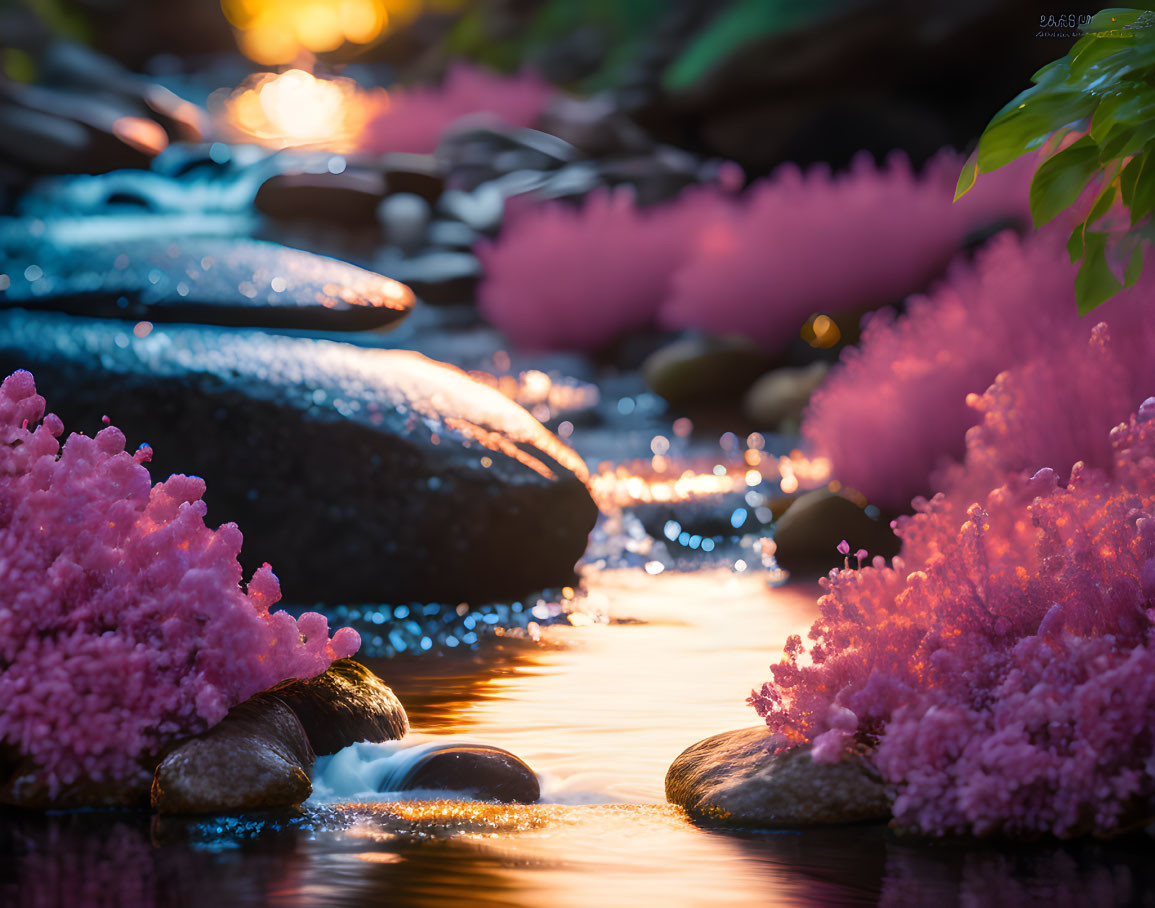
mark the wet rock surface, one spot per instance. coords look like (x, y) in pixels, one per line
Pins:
(363, 475)
(439, 277)
(808, 533)
(257, 757)
(694, 369)
(224, 282)
(484, 772)
(349, 197)
(781, 396)
(344, 705)
(738, 779)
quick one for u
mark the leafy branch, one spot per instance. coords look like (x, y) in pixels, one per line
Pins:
(1091, 115)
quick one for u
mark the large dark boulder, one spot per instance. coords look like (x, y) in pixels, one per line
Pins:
(344, 705)
(194, 279)
(361, 475)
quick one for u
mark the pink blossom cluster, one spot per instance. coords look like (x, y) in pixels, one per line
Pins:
(564, 277)
(895, 411)
(760, 263)
(122, 623)
(806, 242)
(1001, 672)
(415, 118)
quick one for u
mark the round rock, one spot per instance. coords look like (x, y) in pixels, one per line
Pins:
(257, 757)
(479, 770)
(696, 369)
(344, 705)
(742, 778)
(809, 532)
(405, 217)
(780, 397)
(349, 198)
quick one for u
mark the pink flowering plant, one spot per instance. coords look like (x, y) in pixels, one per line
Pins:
(802, 242)
(123, 627)
(894, 413)
(417, 117)
(755, 263)
(1000, 673)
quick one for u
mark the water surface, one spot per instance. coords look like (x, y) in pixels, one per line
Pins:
(599, 710)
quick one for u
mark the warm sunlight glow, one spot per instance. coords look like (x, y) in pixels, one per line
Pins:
(274, 32)
(617, 488)
(799, 471)
(821, 331)
(295, 108)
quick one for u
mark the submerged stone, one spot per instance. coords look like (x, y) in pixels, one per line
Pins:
(741, 778)
(363, 475)
(256, 757)
(224, 282)
(344, 705)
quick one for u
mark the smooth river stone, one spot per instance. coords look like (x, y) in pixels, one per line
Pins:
(221, 282)
(704, 369)
(807, 535)
(256, 757)
(347, 199)
(740, 778)
(439, 277)
(344, 705)
(482, 771)
(362, 475)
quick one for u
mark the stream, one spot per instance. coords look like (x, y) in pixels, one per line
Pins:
(599, 710)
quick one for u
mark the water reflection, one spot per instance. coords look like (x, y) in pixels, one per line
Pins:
(601, 711)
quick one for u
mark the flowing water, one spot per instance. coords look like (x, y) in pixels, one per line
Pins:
(599, 710)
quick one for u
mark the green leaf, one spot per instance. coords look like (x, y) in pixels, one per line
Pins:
(1061, 178)
(1130, 105)
(1128, 177)
(1026, 125)
(1075, 243)
(1134, 267)
(1095, 284)
(1115, 17)
(966, 179)
(1107, 194)
(1143, 195)
(1124, 141)
(1102, 204)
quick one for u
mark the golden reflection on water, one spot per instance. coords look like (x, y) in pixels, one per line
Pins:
(600, 711)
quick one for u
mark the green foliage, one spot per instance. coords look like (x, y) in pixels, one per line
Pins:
(1103, 90)
(735, 26)
(622, 28)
